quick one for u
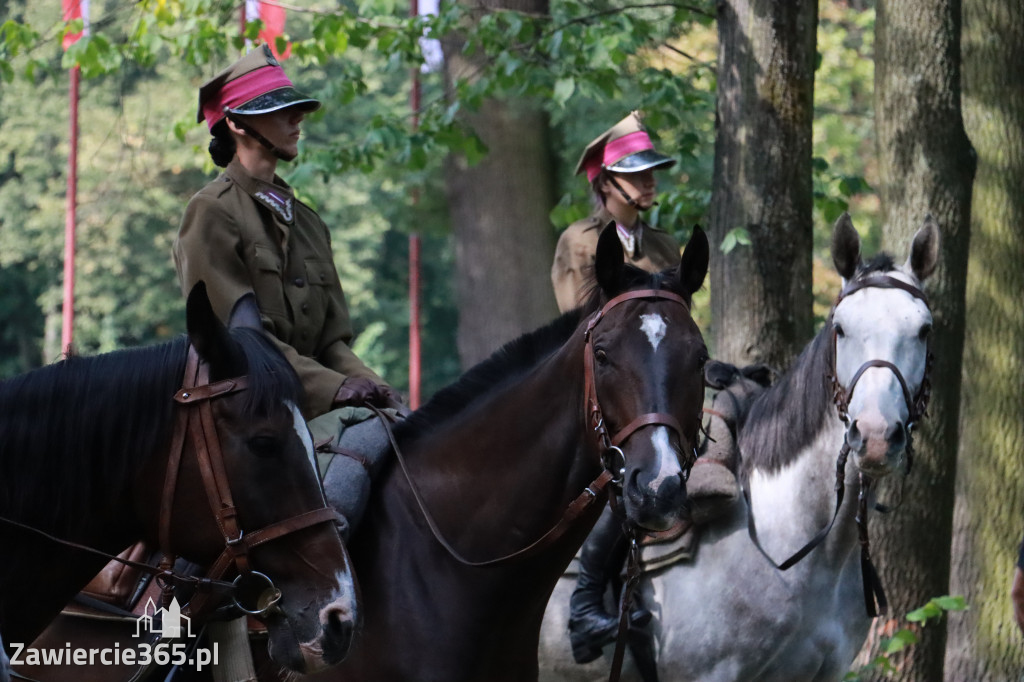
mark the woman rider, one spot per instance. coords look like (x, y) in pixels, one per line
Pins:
(245, 232)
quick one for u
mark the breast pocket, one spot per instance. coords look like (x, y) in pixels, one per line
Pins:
(267, 282)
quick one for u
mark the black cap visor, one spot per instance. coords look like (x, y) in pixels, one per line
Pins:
(641, 161)
(275, 100)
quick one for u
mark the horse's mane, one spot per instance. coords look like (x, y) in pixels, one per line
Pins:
(511, 361)
(72, 434)
(790, 415)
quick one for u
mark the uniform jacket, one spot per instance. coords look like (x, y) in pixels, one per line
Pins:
(240, 235)
(572, 272)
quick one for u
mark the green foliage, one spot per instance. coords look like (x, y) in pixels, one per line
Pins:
(882, 663)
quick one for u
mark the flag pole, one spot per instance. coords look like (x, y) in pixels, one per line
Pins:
(70, 219)
(414, 253)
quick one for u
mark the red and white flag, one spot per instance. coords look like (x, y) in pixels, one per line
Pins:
(75, 9)
(273, 18)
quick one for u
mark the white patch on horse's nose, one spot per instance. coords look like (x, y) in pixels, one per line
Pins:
(654, 326)
(668, 460)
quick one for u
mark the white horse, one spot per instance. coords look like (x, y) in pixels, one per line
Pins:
(731, 614)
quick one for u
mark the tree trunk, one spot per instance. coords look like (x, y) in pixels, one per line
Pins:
(504, 241)
(926, 165)
(761, 293)
(984, 642)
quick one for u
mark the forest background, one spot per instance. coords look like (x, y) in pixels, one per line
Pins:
(566, 70)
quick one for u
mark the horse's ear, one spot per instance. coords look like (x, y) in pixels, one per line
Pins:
(246, 313)
(693, 266)
(718, 374)
(761, 374)
(609, 261)
(207, 333)
(845, 247)
(924, 250)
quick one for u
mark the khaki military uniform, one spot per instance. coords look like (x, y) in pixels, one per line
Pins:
(240, 235)
(572, 272)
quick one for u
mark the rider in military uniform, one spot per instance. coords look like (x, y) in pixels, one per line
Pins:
(246, 232)
(620, 166)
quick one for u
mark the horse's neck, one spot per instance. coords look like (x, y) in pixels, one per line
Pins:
(790, 505)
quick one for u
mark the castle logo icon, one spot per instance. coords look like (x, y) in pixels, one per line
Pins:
(166, 622)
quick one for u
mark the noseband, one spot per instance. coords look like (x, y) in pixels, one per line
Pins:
(195, 420)
(611, 442)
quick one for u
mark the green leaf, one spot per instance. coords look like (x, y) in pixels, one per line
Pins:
(900, 641)
(564, 87)
(735, 237)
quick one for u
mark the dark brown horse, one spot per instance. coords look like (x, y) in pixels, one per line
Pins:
(90, 454)
(492, 463)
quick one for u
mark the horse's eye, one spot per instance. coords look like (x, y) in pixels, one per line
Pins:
(601, 356)
(264, 446)
(926, 330)
(839, 331)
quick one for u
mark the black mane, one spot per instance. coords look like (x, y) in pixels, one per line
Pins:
(73, 434)
(508, 363)
(789, 415)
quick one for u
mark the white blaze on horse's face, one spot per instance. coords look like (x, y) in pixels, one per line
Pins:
(890, 324)
(302, 430)
(654, 327)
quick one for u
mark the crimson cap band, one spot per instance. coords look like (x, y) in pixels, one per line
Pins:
(255, 84)
(624, 148)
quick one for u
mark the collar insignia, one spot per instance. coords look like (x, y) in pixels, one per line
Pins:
(282, 206)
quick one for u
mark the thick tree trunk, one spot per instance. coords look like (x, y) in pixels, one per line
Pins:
(761, 294)
(984, 642)
(504, 241)
(926, 165)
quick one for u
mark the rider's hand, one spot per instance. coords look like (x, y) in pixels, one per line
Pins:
(362, 391)
(358, 391)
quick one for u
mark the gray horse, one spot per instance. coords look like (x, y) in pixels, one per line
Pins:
(731, 615)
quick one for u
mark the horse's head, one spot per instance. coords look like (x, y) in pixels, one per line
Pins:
(881, 324)
(645, 357)
(260, 497)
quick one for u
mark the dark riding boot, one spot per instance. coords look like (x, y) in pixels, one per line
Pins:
(591, 627)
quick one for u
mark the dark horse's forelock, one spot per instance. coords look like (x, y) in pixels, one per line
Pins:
(778, 427)
(73, 434)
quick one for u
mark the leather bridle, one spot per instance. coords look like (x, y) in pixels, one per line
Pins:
(917, 405)
(594, 414)
(195, 420)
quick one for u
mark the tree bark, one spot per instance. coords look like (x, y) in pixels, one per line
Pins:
(761, 294)
(984, 642)
(504, 241)
(926, 165)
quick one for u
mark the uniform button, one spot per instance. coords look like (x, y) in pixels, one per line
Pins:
(299, 282)
(322, 277)
(305, 307)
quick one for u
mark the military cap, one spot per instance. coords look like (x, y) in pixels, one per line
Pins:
(624, 148)
(255, 84)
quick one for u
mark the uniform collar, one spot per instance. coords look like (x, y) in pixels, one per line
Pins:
(630, 237)
(276, 195)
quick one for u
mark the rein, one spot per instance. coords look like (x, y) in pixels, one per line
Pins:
(874, 594)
